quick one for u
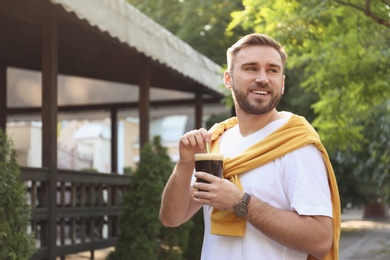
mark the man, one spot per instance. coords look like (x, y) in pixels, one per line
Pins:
(278, 198)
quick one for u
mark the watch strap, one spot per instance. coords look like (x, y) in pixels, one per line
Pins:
(246, 198)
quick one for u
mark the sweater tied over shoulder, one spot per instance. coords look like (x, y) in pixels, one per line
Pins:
(294, 134)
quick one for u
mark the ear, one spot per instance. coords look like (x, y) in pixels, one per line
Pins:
(284, 77)
(227, 80)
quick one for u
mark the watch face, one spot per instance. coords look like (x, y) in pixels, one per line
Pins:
(241, 209)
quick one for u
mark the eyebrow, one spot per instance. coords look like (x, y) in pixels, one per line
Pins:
(275, 65)
(248, 64)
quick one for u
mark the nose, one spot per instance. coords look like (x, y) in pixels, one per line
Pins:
(261, 77)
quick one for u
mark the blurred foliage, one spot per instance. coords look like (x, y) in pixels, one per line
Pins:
(366, 173)
(142, 236)
(337, 51)
(15, 240)
(128, 170)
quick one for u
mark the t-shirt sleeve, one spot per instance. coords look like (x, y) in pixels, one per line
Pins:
(307, 187)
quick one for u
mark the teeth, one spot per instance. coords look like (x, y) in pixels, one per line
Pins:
(260, 92)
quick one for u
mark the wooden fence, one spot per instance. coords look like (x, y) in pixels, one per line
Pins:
(86, 213)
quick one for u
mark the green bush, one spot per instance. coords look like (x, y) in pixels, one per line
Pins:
(15, 240)
(128, 171)
(141, 234)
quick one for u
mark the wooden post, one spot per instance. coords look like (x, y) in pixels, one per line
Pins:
(144, 102)
(3, 98)
(114, 140)
(198, 109)
(49, 123)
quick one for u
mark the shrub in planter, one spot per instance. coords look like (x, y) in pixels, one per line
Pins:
(15, 240)
(141, 234)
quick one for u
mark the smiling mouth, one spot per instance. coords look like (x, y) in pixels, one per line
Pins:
(260, 92)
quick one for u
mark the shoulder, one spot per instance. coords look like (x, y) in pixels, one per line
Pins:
(308, 151)
(307, 159)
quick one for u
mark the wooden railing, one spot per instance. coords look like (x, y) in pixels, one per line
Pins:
(87, 211)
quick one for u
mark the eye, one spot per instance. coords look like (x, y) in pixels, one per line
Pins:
(273, 70)
(250, 68)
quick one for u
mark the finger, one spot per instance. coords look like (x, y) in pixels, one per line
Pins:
(198, 200)
(189, 139)
(196, 138)
(200, 136)
(200, 186)
(201, 197)
(205, 134)
(206, 176)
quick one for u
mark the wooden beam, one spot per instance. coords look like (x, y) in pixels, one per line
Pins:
(49, 87)
(49, 52)
(114, 140)
(198, 109)
(109, 106)
(144, 102)
(3, 98)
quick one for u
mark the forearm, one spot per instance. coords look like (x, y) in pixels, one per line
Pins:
(312, 235)
(177, 205)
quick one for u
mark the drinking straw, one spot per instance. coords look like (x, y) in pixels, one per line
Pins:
(208, 147)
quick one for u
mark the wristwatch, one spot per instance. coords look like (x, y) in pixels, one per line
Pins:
(241, 209)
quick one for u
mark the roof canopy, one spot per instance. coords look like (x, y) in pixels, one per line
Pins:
(127, 24)
(109, 41)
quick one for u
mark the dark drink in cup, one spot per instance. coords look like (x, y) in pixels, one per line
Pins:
(209, 162)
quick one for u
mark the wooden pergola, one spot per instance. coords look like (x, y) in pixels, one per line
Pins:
(53, 37)
(41, 36)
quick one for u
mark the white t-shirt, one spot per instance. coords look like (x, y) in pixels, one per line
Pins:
(297, 181)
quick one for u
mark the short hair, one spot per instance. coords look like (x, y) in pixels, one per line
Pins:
(254, 39)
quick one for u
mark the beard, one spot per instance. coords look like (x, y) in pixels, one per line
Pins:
(258, 107)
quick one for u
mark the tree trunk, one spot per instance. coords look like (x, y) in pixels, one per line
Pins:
(376, 210)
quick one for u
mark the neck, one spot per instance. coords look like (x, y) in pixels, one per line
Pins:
(250, 124)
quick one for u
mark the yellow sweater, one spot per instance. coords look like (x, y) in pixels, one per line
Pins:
(295, 133)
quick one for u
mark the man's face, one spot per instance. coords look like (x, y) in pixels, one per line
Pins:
(257, 81)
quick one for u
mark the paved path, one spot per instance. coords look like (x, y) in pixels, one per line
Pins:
(360, 240)
(366, 245)
(364, 239)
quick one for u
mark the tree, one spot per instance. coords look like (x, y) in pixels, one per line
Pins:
(15, 240)
(342, 54)
(373, 10)
(142, 235)
(366, 172)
